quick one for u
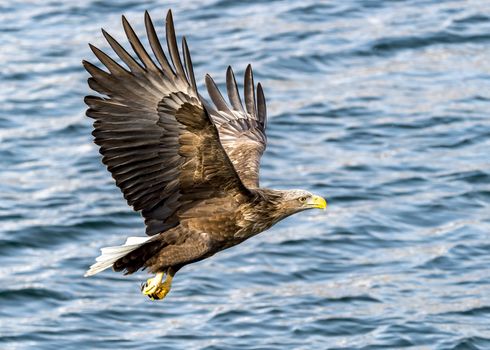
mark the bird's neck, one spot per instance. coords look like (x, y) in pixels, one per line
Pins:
(265, 209)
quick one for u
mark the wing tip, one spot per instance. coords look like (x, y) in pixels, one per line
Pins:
(93, 47)
(87, 99)
(107, 36)
(147, 18)
(230, 75)
(125, 23)
(169, 17)
(249, 90)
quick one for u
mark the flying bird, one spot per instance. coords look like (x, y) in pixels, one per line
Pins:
(189, 165)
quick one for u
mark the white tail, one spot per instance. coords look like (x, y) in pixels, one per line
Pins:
(111, 254)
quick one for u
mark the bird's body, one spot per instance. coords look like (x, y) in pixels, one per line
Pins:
(190, 167)
(229, 223)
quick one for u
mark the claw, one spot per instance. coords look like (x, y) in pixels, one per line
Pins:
(154, 297)
(155, 289)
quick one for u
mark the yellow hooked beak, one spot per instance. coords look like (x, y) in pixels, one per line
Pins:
(317, 202)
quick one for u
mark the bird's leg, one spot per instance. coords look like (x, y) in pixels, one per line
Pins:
(154, 287)
(165, 286)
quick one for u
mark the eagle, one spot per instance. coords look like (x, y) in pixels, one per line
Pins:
(190, 166)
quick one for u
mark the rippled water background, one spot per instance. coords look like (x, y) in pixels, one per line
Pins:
(380, 106)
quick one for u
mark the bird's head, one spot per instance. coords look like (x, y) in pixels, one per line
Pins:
(288, 202)
(302, 200)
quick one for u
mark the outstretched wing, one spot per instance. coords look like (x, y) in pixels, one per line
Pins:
(242, 131)
(155, 136)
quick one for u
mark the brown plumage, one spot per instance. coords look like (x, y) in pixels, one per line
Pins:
(191, 167)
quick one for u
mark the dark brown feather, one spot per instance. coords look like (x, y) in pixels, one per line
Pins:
(156, 47)
(172, 44)
(216, 96)
(188, 64)
(261, 106)
(138, 47)
(249, 89)
(232, 89)
(123, 54)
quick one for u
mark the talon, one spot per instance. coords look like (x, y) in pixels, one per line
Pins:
(152, 284)
(155, 289)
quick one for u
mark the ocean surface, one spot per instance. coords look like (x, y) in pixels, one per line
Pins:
(380, 106)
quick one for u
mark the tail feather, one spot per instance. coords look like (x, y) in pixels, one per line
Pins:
(111, 254)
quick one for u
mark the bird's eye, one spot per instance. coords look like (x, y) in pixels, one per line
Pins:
(303, 199)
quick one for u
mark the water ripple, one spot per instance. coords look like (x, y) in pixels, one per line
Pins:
(381, 106)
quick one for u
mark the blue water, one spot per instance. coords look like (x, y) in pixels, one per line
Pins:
(382, 107)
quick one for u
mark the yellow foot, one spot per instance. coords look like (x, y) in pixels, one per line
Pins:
(155, 289)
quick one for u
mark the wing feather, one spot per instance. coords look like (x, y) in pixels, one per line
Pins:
(155, 136)
(188, 64)
(138, 47)
(123, 54)
(156, 47)
(261, 106)
(172, 45)
(249, 89)
(216, 96)
(232, 89)
(242, 131)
